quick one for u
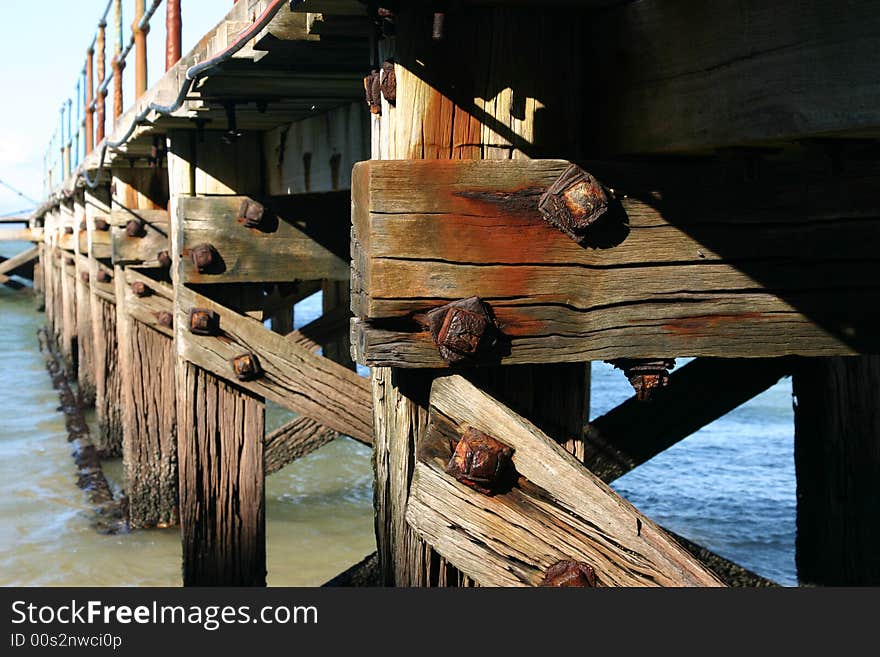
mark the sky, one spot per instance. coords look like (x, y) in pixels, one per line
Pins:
(43, 45)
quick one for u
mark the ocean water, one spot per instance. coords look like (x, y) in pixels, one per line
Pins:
(729, 487)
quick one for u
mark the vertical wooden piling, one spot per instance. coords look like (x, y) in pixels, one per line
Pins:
(837, 458)
(338, 347)
(86, 355)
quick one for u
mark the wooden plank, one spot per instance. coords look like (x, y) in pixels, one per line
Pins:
(295, 439)
(302, 239)
(699, 393)
(687, 265)
(18, 260)
(147, 309)
(293, 376)
(140, 249)
(21, 235)
(85, 334)
(749, 72)
(557, 510)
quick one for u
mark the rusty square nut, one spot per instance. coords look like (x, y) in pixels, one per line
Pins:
(139, 289)
(164, 259)
(68, 230)
(481, 462)
(246, 367)
(570, 573)
(574, 202)
(135, 228)
(203, 257)
(83, 225)
(251, 213)
(461, 329)
(84, 276)
(203, 322)
(70, 262)
(165, 318)
(102, 225)
(104, 276)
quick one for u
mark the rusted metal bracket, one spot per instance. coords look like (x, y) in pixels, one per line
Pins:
(482, 462)
(462, 330)
(574, 202)
(646, 375)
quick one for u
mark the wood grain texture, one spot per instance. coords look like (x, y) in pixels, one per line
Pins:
(688, 265)
(108, 390)
(143, 249)
(293, 376)
(293, 250)
(222, 507)
(557, 510)
(146, 309)
(295, 439)
(749, 72)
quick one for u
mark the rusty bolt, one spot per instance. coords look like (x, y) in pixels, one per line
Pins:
(246, 367)
(388, 82)
(84, 276)
(570, 573)
(203, 322)
(70, 262)
(104, 276)
(481, 462)
(165, 319)
(139, 289)
(102, 225)
(164, 259)
(462, 330)
(203, 256)
(68, 230)
(574, 203)
(135, 228)
(251, 213)
(372, 89)
(646, 375)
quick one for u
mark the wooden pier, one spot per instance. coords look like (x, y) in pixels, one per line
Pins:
(490, 195)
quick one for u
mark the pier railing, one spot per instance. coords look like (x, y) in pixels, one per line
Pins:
(82, 124)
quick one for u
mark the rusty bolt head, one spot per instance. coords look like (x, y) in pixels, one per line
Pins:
(246, 367)
(481, 462)
(388, 82)
(102, 225)
(203, 322)
(574, 203)
(203, 257)
(68, 230)
(164, 259)
(570, 573)
(104, 276)
(70, 262)
(251, 213)
(135, 228)
(164, 318)
(139, 289)
(82, 224)
(646, 375)
(84, 276)
(461, 329)
(372, 89)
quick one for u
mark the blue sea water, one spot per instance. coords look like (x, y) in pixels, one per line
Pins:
(729, 487)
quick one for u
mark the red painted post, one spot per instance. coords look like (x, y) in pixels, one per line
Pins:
(90, 95)
(140, 47)
(118, 64)
(173, 28)
(101, 95)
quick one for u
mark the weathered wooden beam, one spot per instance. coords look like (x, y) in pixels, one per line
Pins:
(293, 440)
(750, 73)
(289, 243)
(292, 376)
(138, 236)
(319, 330)
(16, 261)
(686, 261)
(555, 511)
(155, 308)
(21, 235)
(699, 393)
(85, 334)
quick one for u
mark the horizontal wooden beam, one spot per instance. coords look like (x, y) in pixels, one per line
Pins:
(555, 511)
(747, 72)
(144, 244)
(295, 439)
(699, 393)
(299, 238)
(157, 299)
(21, 235)
(691, 259)
(292, 376)
(17, 261)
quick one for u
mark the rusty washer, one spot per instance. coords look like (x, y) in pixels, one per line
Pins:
(246, 367)
(104, 276)
(646, 375)
(164, 259)
(203, 257)
(203, 322)
(574, 203)
(135, 228)
(481, 462)
(139, 289)
(251, 213)
(462, 330)
(165, 319)
(570, 573)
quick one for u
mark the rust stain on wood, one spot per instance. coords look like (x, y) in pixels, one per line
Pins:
(708, 324)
